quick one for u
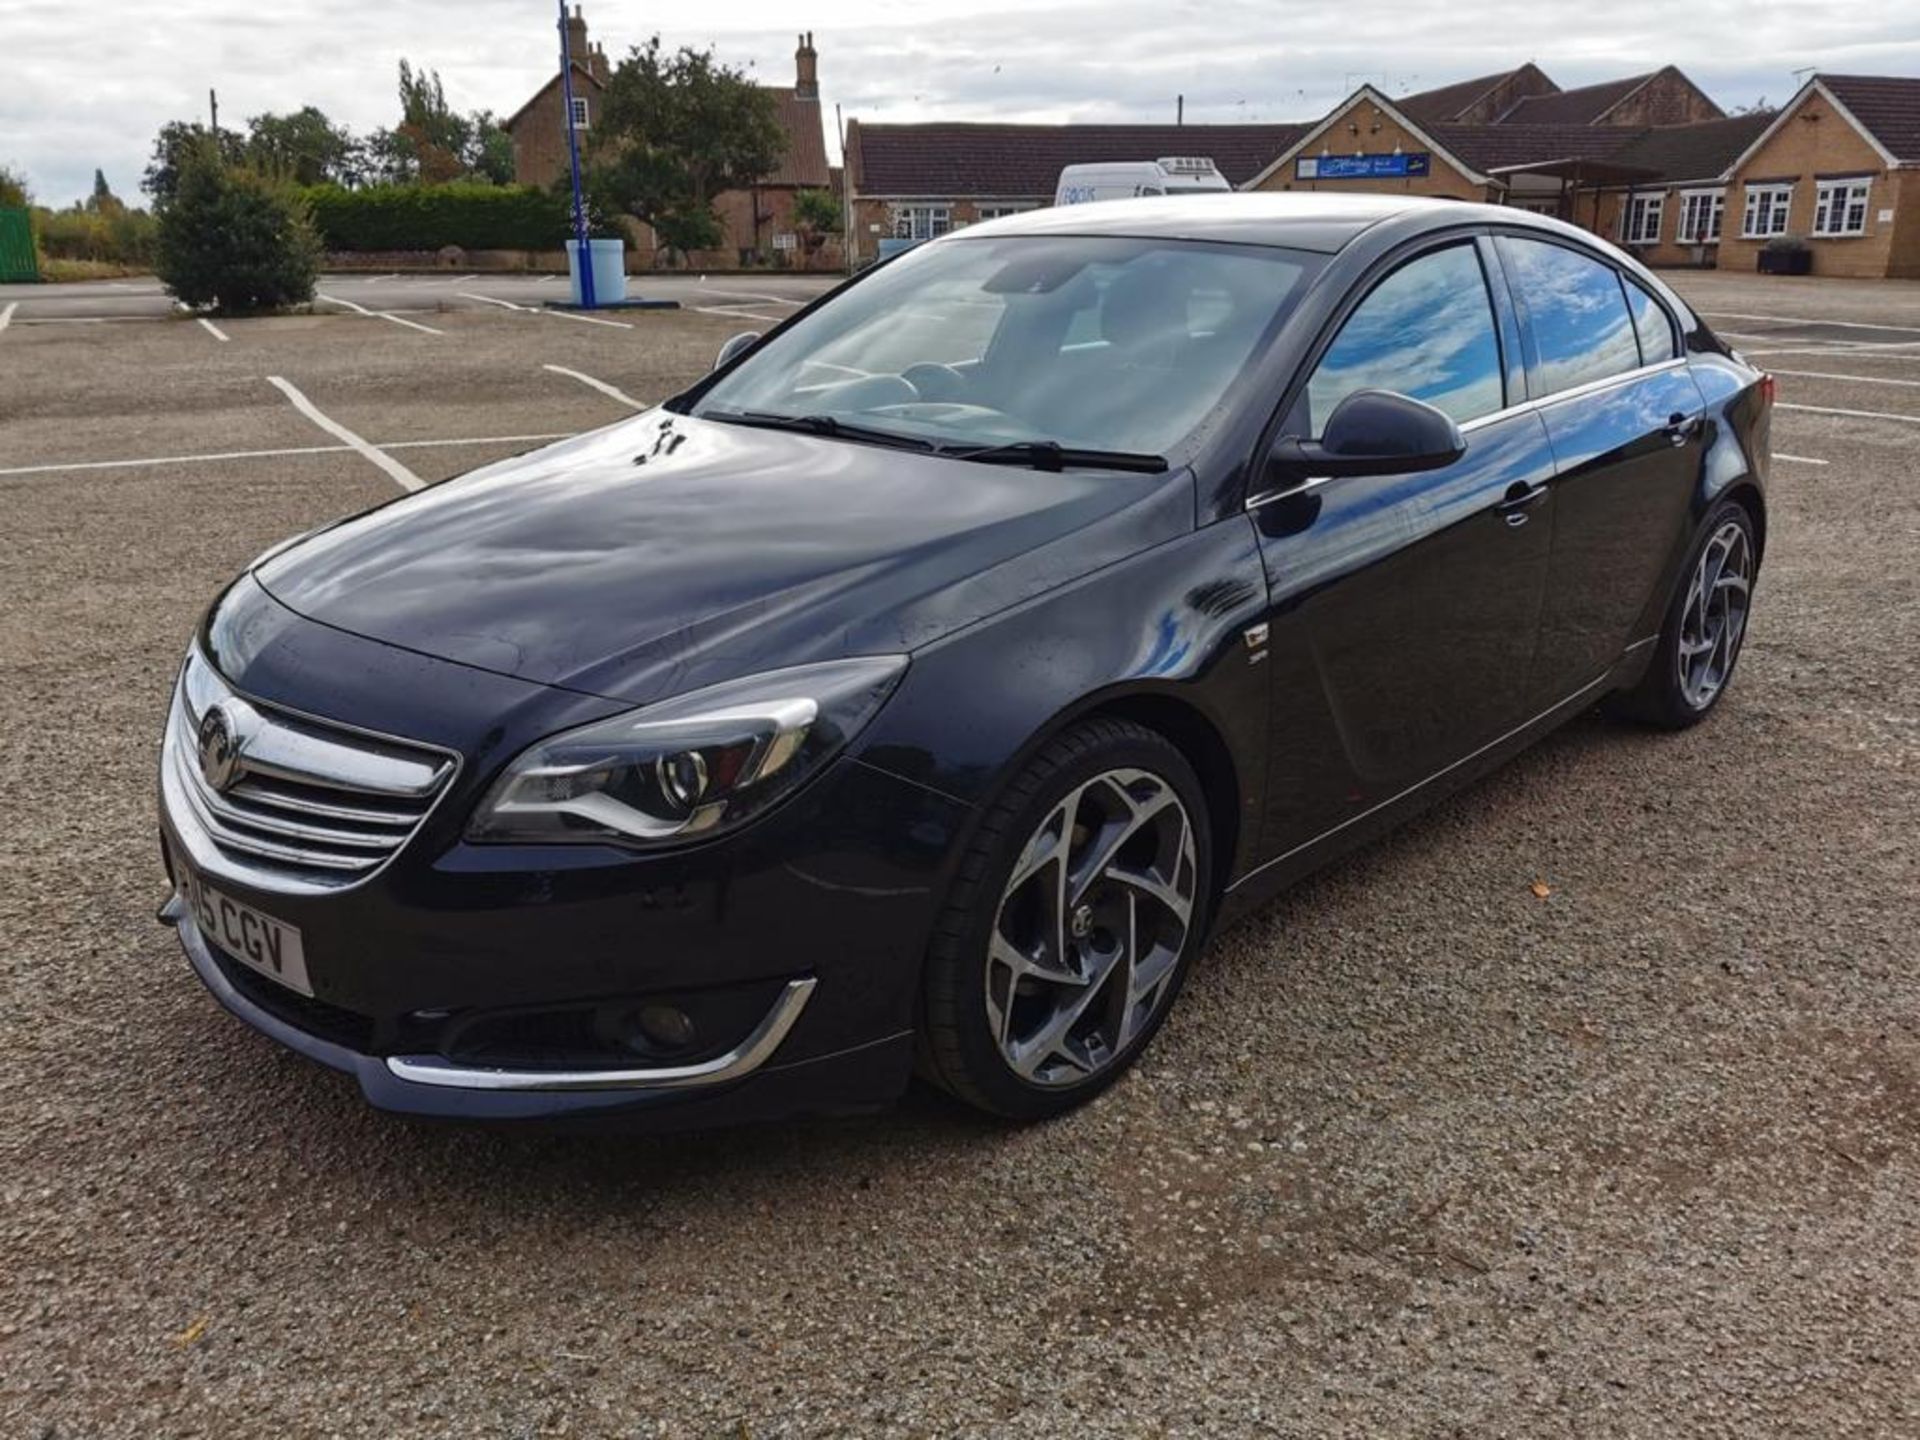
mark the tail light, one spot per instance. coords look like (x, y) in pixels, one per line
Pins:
(1766, 390)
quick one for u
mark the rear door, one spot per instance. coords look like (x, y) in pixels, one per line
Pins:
(1403, 607)
(1625, 419)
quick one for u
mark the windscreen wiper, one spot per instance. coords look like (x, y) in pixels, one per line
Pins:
(1052, 455)
(828, 425)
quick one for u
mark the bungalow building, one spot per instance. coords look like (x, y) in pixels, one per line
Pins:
(1649, 161)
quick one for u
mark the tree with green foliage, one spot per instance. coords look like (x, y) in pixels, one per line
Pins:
(816, 215)
(303, 146)
(675, 131)
(178, 139)
(234, 239)
(489, 153)
(14, 191)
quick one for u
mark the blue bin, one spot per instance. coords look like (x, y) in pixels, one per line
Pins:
(609, 271)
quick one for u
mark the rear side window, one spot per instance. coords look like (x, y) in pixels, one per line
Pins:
(1426, 331)
(1651, 324)
(1581, 327)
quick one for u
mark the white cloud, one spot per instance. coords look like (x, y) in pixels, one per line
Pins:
(89, 86)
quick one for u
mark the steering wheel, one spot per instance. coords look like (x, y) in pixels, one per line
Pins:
(935, 382)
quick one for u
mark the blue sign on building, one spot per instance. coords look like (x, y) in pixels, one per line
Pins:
(1399, 165)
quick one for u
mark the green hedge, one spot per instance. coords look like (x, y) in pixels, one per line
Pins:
(427, 217)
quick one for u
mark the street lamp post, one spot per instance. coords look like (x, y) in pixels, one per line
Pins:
(582, 233)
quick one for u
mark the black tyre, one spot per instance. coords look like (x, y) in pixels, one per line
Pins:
(1075, 914)
(1699, 644)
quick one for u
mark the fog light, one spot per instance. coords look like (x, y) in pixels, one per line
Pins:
(667, 1026)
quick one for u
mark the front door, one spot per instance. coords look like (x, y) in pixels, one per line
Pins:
(1404, 607)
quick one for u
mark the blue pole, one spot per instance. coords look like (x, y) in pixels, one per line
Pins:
(582, 235)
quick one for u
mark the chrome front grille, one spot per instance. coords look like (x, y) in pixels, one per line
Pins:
(287, 796)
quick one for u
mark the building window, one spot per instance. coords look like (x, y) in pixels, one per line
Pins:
(579, 112)
(998, 212)
(1840, 207)
(1700, 214)
(1767, 207)
(921, 222)
(1642, 219)
(1550, 206)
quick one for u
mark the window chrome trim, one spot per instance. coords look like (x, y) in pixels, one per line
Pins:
(746, 1057)
(1467, 427)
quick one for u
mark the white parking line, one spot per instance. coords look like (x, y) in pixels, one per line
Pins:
(588, 319)
(1856, 414)
(145, 462)
(1801, 320)
(489, 300)
(400, 474)
(600, 385)
(212, 329)
(1803, 459)
(735, 313)
(706, 289)
(1861, 379)
(6, 313)
(378, 314)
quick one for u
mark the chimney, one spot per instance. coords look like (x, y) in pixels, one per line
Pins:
(597, 63)
(577, 36)
(806, 70)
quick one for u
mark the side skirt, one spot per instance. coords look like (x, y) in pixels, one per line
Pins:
(1264, 881)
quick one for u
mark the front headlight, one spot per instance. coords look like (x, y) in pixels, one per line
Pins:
(687, 768)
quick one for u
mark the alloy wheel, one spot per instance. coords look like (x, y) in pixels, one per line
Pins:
(1714, 619)
(1091, 927)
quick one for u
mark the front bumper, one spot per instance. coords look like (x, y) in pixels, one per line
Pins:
(802, 934)
(857, 1078)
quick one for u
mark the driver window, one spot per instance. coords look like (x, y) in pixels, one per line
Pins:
(1427, 331)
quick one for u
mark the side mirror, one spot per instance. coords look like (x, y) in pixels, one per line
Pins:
(732, 350)
(1373, 432)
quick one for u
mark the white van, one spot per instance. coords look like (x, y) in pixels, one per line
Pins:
(1124, 179)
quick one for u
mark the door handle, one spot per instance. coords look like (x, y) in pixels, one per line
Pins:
(1682, 427)
(1520, 498)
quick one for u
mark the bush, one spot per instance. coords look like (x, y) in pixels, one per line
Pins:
(119, 237)
(236, 240)
(471, 215)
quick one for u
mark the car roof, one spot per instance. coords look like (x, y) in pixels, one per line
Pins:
(1298, 220)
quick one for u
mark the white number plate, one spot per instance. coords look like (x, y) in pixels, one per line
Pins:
(257, 941)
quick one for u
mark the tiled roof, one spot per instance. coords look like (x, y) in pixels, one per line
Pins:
(1012, 161)
(1447, 101)
(1495, 147)
(1888, 105)
(1574, 107)
(1703, 151)
(805, 162)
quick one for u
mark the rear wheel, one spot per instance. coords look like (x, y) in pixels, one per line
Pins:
(1077, 910)
(1706, 622)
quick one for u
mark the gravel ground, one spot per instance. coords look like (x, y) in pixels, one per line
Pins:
(1419, 1153)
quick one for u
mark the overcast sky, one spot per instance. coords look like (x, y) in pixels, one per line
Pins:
(85, 85)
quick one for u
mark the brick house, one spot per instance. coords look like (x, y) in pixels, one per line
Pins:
(757, 221)
(539, 128)
(1840, 166)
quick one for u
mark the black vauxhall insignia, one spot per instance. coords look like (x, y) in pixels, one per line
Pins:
(919, 688)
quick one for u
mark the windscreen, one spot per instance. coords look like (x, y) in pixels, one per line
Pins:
(1089, 341)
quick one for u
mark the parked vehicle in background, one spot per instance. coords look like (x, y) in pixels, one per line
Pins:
(1127, 180)
(922, 686)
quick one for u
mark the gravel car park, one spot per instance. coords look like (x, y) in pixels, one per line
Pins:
(1587, 1103)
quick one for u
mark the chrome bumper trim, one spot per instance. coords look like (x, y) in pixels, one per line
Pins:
(746, 1057)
